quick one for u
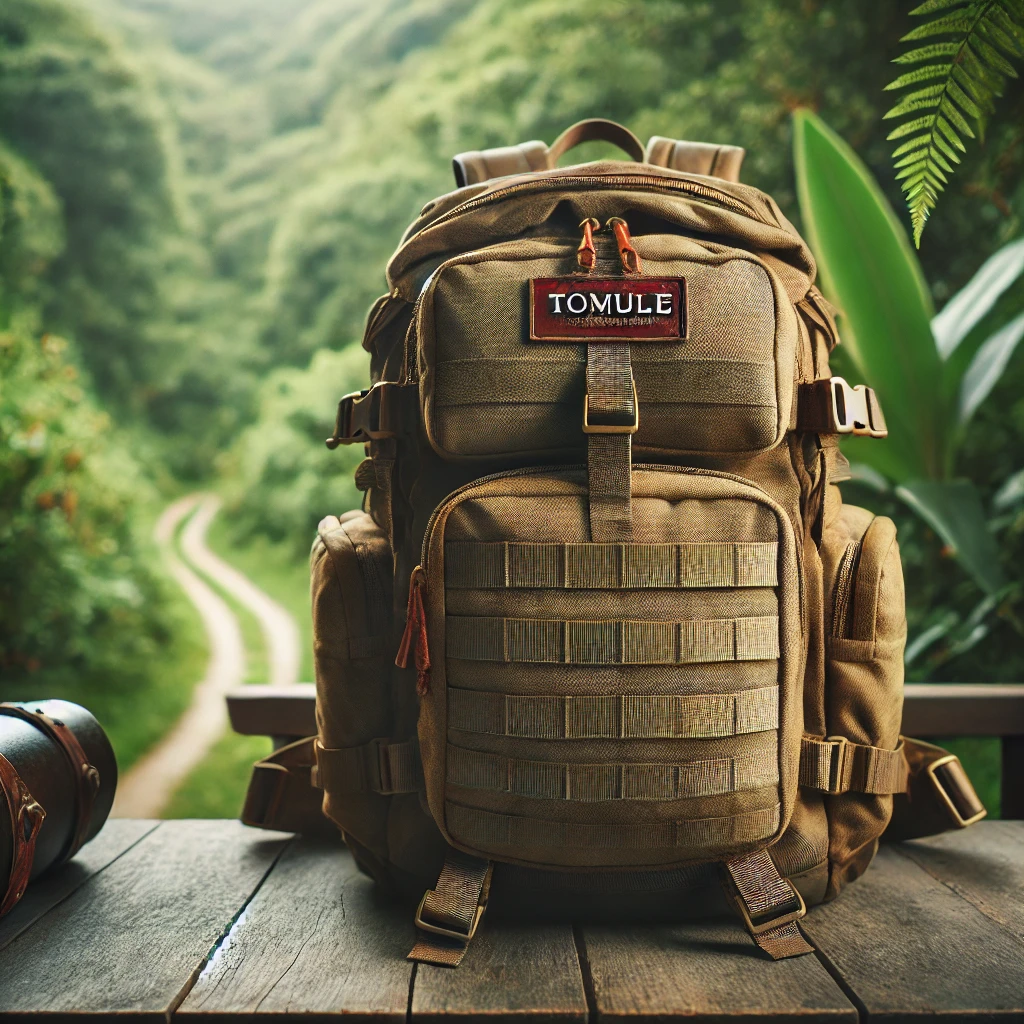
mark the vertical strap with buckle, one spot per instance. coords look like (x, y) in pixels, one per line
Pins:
(26, 816)
(449, 914)
(769, 904)
(610, 418)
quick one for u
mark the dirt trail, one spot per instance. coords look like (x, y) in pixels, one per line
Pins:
(145, 790)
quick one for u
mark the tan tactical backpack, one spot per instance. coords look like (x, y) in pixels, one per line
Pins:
(646, 658)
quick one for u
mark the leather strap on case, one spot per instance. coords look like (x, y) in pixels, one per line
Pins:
(86, 777)
(448, 914)
(26, 819)
(696, 157)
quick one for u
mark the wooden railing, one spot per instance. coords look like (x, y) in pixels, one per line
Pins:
(930, 710)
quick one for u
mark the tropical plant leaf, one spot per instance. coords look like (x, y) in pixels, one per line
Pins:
(954, 511)
(987, 366)
(869, 270)
(966, 74)
(968, 307)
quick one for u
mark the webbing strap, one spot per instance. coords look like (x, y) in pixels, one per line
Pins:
(375, 767)
(612, 642)
(769, 904)
(616, 716)
(610, 406)
(696, 157)
(599, 782)
(836, 765)
(448, 914)
(470, 564)
(486, 829)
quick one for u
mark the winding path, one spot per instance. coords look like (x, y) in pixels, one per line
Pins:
(145, 790)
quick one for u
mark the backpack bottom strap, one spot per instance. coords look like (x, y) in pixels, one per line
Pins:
(769, 904)
(448, 914)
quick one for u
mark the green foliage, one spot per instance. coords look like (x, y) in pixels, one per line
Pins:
(954, 84)
(930, 386)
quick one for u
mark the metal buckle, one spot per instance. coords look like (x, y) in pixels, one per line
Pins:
(783, 916)
(855, 410)
(612, 428)
(955, 778)
(837, 780)
(449, 933)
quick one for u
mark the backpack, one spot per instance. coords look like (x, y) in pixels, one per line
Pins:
(649, 665)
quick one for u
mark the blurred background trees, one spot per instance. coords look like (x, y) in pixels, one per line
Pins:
(199, 199)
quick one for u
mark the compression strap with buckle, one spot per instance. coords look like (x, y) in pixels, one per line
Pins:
(449, 914)
(831, 406)
(769, 904)
(835, 765)
(370, 415)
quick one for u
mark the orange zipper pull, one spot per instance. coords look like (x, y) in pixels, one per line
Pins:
(414, 639)
(630, 258)
(586, 254)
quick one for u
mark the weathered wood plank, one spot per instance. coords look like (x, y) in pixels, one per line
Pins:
(963, 709)
(706, 971)
(315, 940)
(513, 973)
(131, 940)
(117, 836)
(984, 864)
(911, 948)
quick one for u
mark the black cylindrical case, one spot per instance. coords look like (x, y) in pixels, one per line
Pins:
(61, 787)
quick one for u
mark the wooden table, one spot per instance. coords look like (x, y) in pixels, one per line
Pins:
(189, 919)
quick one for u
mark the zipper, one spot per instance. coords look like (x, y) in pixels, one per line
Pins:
(842, 600)
(707, 193)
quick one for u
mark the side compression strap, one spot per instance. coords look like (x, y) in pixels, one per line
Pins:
(835, 765)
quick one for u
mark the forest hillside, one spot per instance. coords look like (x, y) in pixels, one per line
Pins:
(198, 200)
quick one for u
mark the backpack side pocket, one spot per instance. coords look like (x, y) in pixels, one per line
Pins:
(351, 586)
(866, 632)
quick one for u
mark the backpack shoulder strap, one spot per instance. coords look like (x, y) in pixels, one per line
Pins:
(696, 157)
(475, 166)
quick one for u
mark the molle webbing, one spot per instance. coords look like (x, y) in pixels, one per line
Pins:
(610, 566)
(618, 716)
(612, 642)
(487, 829)
(611, 403)
(599, 782)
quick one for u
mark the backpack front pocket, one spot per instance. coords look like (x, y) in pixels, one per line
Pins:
(487, 390)
(611, 704)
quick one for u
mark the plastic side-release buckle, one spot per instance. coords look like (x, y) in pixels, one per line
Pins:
(369, 415)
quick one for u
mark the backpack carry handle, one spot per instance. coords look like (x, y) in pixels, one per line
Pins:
(596, 129)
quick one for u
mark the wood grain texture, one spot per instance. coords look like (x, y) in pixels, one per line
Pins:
(117, 836)
(134, 936)
(513, 973)
(911, 948)
(706, 971)
(315, 940)
(984, 864)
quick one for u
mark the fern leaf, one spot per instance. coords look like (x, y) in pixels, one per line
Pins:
(918, 75)
(935, 5)
(929, 52)
(964, 75)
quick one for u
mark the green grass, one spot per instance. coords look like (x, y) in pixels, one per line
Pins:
(215, 788)
(276, 569)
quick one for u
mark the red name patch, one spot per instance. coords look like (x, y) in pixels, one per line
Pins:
(608, 309)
